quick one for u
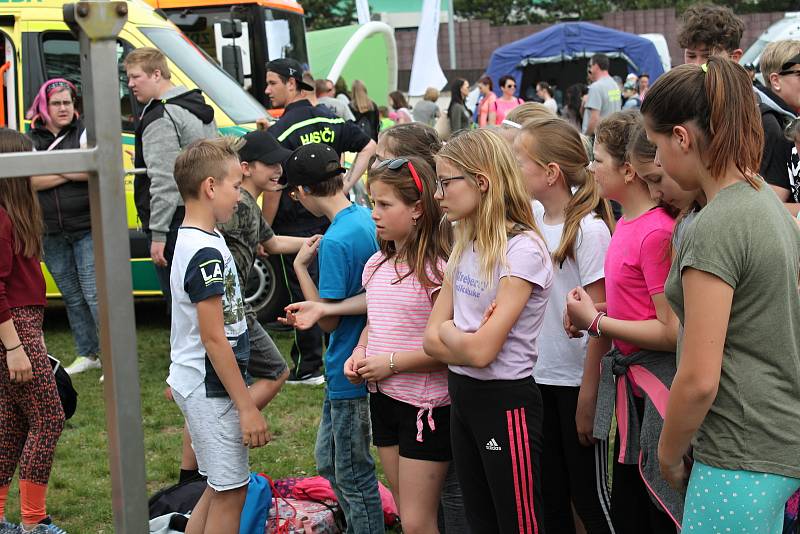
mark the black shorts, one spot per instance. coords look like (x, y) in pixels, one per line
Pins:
(394, 423)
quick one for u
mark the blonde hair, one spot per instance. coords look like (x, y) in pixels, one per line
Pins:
(361, 100)
(150, 60)
(431, 94)
(563, 145)
(776, 54)
(527, 112)
(204, 158)
(483, 152)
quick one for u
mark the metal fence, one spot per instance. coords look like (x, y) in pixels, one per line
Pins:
(97, 24)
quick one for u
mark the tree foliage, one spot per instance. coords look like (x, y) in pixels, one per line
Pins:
(322, 14)
(532, 11)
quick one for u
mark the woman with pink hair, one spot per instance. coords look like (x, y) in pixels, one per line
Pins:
(67, 243)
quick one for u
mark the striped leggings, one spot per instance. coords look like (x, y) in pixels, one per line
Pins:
(496, 434)
(31, 416)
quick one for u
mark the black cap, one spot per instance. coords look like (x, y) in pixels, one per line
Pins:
(311, 164)
(791, 63)
(289, 68)
(262, 146)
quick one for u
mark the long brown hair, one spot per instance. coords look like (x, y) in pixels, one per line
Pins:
(19, 200)
(506, 202)
(413, 139)
(360, 100)
(429, 244)
(554, 140)
(717, 98)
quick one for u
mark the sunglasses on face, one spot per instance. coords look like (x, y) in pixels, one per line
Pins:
(511, 86)
(789, 72)
(396, 164)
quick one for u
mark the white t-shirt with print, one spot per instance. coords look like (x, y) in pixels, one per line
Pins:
(203, 267)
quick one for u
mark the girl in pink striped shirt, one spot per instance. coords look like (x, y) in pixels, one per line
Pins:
(409, 402)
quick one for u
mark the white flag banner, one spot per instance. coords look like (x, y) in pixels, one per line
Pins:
(362, 7)
(425, 69)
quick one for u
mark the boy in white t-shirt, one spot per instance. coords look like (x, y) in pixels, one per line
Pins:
(210, 345)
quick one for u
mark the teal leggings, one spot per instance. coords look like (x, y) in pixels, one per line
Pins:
(738, 502)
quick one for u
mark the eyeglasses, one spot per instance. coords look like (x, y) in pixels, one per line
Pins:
(61, 103)
(397, 163)
(441, 184)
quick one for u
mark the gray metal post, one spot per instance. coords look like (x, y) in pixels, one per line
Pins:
(98, 24)
(451, 33)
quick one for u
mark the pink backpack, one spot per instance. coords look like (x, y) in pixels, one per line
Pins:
(319, 489)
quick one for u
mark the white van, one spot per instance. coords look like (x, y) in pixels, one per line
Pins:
(786, 28)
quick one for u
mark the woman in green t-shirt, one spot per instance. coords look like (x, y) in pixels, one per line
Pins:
(734, 287)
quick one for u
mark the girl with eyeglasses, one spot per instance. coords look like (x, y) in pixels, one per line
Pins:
(734, 398)
(506, 102)
(409, 402)
(498, 257)
(576, 223)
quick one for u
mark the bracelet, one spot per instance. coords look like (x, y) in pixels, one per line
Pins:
(14, 348)
(392, 366)
(600, 332)
(361, 347)
(593, 329)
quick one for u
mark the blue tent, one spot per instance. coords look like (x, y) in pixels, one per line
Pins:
(572, 41)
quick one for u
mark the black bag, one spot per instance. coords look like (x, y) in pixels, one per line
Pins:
(181, 498)
(67, 393)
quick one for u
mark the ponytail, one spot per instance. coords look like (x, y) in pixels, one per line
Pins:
(584, 201)
(718, 99)
(566, 148)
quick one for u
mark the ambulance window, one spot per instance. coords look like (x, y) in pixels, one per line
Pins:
(8, 94)
(62, 60)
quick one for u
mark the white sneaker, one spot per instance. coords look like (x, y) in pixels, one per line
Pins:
(81, 364)
(102, 378)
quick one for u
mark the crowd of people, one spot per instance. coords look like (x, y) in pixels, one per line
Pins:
(527, 283)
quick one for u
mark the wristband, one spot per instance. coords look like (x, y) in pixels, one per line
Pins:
(14, 347)
(594, 330)
(392, 366)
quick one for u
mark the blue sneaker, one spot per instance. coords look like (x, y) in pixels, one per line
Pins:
(9, 528)
(41, 528)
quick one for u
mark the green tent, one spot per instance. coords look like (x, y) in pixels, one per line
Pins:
(367, 53)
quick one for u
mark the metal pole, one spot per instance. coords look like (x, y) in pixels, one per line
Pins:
(101, 22)
(97, 24)
(451, 33)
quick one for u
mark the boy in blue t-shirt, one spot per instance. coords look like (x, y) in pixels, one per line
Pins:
(315, 180)
(210, 347)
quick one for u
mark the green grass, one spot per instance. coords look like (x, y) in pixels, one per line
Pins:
(79, 497)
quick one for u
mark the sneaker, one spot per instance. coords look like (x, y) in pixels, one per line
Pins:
(311, 379)
(102, 378)
(81, 364)
(9, 528)
(42, 528)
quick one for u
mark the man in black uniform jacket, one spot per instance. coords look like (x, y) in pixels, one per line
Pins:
(302, 123)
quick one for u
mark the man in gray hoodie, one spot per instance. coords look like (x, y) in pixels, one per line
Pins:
(173, 117)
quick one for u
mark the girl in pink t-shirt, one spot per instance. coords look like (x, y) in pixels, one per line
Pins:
(498, 257)
(636, 315)
(409, 402)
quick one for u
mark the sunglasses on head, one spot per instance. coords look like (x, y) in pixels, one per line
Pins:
(397, 163)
